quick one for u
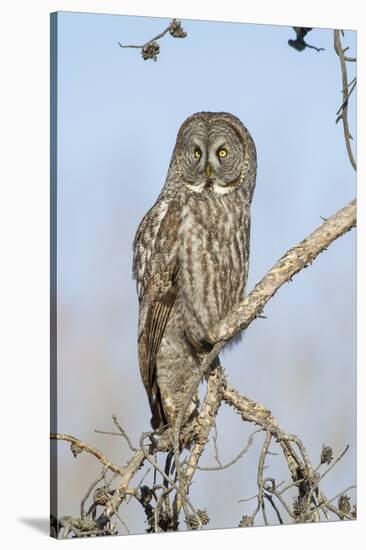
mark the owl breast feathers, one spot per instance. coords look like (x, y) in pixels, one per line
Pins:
(191, 254)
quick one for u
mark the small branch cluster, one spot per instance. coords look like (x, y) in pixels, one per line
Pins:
(151, 48)
(162, 502)
(309, 500)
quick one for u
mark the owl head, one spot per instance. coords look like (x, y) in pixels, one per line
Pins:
(215, 153)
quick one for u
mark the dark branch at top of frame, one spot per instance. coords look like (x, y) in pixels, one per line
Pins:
(299, 43)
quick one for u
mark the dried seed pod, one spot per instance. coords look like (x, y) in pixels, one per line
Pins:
(203, 515)
(75, 449)
(299, 507)
(246, 521)
(146, 494)
(177, 30)
(100, 496)
(344, 504)
(326, 455)
(194, 522)
(150, 51)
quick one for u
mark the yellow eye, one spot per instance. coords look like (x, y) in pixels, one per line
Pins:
(222, 153)
(197, 153)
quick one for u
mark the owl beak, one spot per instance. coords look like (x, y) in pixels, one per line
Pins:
(208, 170)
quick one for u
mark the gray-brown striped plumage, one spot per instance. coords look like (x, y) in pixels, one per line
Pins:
(191, 255)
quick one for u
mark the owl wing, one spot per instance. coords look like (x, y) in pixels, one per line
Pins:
(156, 270)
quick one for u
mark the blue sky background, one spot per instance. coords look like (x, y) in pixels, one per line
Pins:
(118, 117)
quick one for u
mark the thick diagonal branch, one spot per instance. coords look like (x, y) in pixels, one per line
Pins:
(296, 259)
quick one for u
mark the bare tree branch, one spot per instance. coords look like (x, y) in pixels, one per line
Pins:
(238, 456)
(123, 433)
(89, 449)
(346, 94)
(215, 444)
(151, 48)
(127, 473)
(204, 424)
(296, 259)
(92, 486)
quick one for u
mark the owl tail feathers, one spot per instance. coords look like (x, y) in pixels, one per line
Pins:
(158, 418)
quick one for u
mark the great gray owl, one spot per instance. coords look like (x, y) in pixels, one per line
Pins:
(191, 256)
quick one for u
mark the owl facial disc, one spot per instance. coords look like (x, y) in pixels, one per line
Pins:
(211, 155)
